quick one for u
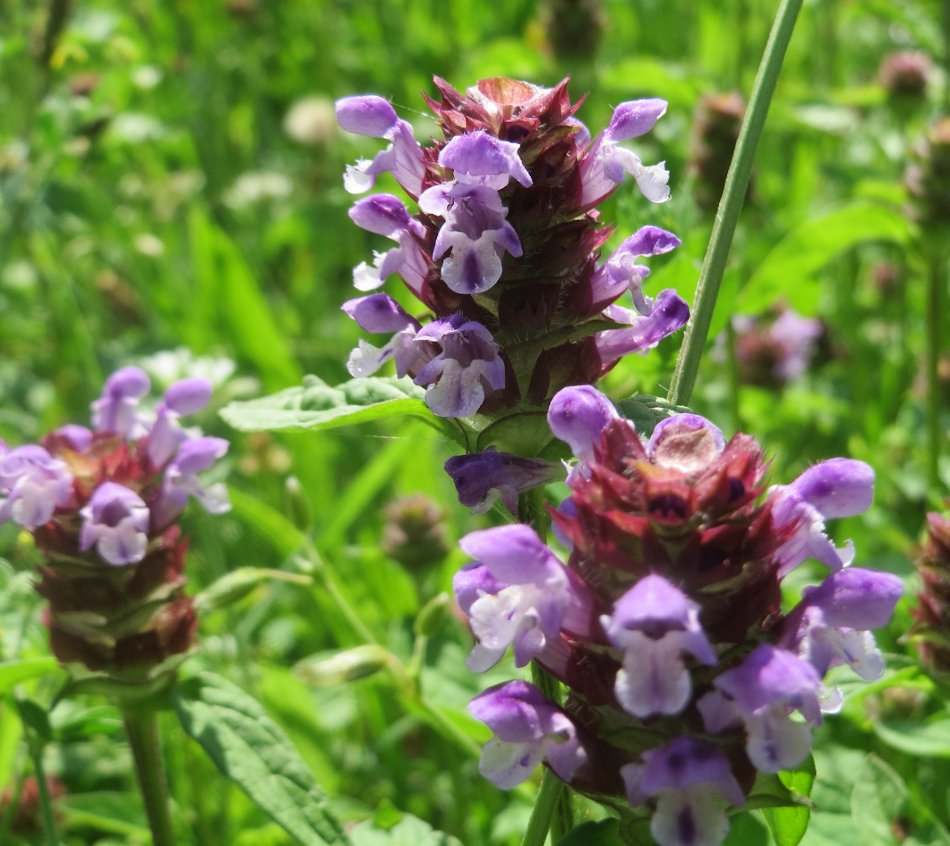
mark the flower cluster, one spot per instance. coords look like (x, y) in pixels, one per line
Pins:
(503, 253)
(933, 606)
(102, 506)
(684, 676)
(774, 349)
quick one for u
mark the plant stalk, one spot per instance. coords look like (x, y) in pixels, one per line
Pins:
(935, 281)
(141, 727)
(727, 215)
(45, 801)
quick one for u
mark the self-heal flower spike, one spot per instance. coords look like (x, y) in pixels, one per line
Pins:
(529, 728)
(507, 237)
(102, 504)
(679, 663)
(933, 602)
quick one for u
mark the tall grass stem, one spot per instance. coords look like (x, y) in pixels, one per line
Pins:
(727, 215)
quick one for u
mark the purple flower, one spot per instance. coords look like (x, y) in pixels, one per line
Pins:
(621, 272)
(654, 623)
(686, 442)
(384, 214)
(180, 481)
(114, 411)
(476, 232)
(379, 314)
(478, 158)
(690, 780)
(77, 438)
(484, 477)
(669, 313)
(831, 625)
(464, 366)
(115, 520)
(795, 336)
(606, 164)
(577, 415)
(839, 487)
(762, 692)
(524, 595)
(35, 485)
(373, 116)
(529, 728)
(184, 397)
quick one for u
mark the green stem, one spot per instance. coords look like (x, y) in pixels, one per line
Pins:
(544, 806)
(46, 803)
(935, 281)
(141, 727)
(737, 182)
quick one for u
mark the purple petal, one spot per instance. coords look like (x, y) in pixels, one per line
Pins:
(188, 395)
(856, 598)
(649, 241)
(515, 711)
(115, 520)
(479, 478)
(378, 313)
(577, 415)
(482, 159)
(79, 438)
(471, 582)
(839, 487)
(382, 214)
(513, 554)
(198, 454)
(634, 118)
(366, 115)
(670, 312)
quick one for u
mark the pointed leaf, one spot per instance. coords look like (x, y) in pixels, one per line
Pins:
(789, 824)
(252, 751)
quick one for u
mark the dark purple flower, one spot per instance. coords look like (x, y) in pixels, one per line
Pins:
(690, 781)
(484, 477)
(529, 728)
(180, 481)
(762, 692)
(654, 623)
(115, 520)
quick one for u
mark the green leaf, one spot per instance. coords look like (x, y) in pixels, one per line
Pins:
(925, 740)
(14, 672)
(603, 833)
(115, 813)
(237, 584)
(789, 824)
(315, 405)
(877, 799)
(250, 749)
(409, 831)
(788, 271)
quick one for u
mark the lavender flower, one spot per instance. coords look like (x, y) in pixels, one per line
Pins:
(666, 618)
(485, 477)
(689, 781)
(506, 245)
(101, 505)
(529, 729)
